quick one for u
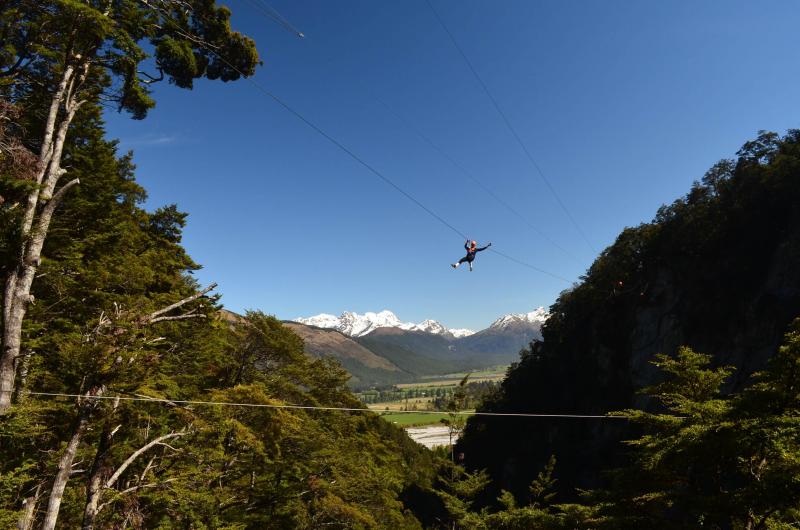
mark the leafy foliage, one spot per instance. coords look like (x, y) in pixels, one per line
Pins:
(713, 271)
(175, 40)
(107, 265)
(714, 460)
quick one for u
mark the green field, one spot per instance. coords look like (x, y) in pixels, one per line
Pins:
(493, 371)
(415, 419)
(490, 374)
(424, 396)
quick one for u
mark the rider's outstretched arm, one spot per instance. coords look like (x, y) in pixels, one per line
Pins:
(483, 248)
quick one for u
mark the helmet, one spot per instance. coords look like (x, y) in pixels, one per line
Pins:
(473, 243)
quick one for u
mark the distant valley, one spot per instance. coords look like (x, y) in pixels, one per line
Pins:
(378, 349)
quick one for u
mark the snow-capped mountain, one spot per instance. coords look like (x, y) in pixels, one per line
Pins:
(508, 334)
(461, 333)
(430, 326)
(537, 316)
(414, 349)
(355, 325)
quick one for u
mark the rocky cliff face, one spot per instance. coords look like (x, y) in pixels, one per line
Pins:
(716, 271)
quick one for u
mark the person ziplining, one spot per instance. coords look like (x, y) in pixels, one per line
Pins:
(472, 249)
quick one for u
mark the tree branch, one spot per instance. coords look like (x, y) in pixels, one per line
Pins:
(59, 195)
(154, 316)
(121, 469)
(132, 489)
(177, 317)
(16, 66)
(151, 78)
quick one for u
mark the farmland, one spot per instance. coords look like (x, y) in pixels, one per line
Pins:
(416, 419)
(399, 403)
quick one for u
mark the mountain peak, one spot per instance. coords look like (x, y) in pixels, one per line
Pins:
(356, 325)
(537, 316)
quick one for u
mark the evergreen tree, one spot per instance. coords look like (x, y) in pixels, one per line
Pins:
(61, 57)
(712, 460)
(713, 271)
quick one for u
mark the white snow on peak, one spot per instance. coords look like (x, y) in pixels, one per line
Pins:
(537, 316)
(323, 320)
(460, 333)
(430, 326)
(356, 325)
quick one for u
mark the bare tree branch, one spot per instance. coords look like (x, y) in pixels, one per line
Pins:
(132, 489)
(59, 195)
(177, 317)
(152, 317)
(151, 78)
(157, 441)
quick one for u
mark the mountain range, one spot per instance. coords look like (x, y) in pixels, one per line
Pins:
(379, 349)
(355, 325)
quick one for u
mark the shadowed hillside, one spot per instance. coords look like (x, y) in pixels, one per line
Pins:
(501, 344)
(716, 270)
(366, 368)
(390, 355)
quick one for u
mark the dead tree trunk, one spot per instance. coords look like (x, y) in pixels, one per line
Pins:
(99, 466)
(26, 519)
(21, 369)
(65, 467)
(40, 206)
(97, 486)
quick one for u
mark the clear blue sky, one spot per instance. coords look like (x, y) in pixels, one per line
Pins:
(623, 104)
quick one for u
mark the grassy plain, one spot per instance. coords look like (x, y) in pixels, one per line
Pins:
(391, 410)
(491, 374)
(415, 419)
(420, 403)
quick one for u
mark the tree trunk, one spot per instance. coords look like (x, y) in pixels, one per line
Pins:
(26, 519)
(65, 467)
(21, 369)
(41, 205)
(96, 485)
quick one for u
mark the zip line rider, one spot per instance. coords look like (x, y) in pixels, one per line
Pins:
(472, 249)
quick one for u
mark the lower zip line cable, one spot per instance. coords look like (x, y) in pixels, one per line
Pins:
(511, 127)
(321, 408)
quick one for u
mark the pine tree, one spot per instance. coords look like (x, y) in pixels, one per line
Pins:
(714, 460)
(64, 56)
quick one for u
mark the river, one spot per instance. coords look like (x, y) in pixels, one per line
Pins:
(430, 436)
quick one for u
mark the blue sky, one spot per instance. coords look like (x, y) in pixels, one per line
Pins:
(623, 105)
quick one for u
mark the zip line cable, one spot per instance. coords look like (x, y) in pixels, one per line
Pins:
(378, 173)
(533, 267)
(474, 179)
(353, 155)
(316, 407)
(341, 146)
(510, 127)
(273, 14)
(328, 137)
